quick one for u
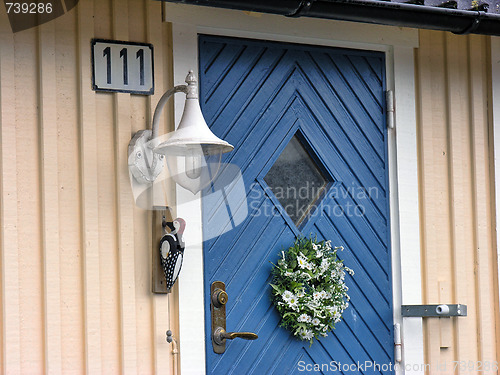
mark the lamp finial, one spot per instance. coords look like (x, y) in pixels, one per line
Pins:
(192, 88)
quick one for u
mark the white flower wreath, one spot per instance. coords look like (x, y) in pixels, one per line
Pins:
(309, 289)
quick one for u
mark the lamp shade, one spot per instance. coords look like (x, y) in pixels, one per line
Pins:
(193, 131)
(193, 152)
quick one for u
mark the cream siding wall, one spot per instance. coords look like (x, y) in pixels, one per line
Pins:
(75, 251)
(456, 196)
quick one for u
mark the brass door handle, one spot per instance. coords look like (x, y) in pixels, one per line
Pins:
(220, 335)
(218, 301)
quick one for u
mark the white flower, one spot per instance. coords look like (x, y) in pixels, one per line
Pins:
(304, 318)
(315, 321)
(337, 317)
(302, 262)
(316, 295)
(319, 254)
(316, 247)
(324, 331)
(288, 274)
(300, 293)
(287, 296)
(322, 294)
(324, 265)
(293, 302)
(306, 335)
(328, 244)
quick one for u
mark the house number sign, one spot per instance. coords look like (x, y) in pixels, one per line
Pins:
(122, 67)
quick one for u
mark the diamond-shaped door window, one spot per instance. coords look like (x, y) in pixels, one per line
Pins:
(296, 181)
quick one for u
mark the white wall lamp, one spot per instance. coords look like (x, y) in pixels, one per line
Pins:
(193, 153)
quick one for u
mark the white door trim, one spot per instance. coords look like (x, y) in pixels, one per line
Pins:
(189, 21)
(405, 218)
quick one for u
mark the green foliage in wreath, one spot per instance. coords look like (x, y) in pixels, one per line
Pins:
(309, 289)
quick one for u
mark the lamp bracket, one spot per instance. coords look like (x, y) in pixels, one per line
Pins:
(161, 103)
(144, 164)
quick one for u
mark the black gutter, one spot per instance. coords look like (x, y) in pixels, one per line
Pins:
(370, 11)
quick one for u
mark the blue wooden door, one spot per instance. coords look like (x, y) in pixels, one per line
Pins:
(303, 118)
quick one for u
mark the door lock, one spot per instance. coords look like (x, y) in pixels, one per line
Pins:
(218, 300)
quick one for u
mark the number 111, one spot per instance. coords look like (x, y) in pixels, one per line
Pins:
(124, 56)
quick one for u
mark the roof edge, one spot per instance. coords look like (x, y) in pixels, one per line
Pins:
(370, 11)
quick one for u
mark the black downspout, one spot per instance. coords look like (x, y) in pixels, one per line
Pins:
(473, 26)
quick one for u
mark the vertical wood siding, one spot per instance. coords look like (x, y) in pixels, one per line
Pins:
(75, 251)
(456, 196)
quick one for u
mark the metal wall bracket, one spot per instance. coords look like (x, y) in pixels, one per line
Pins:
(429, 311)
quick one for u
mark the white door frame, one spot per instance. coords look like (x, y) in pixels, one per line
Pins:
(187, 22)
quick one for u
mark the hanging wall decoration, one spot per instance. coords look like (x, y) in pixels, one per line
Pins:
(172, 250)
(309, 289)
